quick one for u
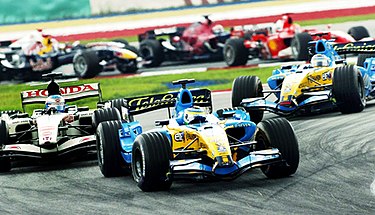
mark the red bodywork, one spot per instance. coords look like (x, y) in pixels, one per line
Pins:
(275, 37)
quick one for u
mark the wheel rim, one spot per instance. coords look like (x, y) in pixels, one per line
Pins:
(294, 48)
(80, 66)
(361, 91)
(147, 53)
(138, 164)
(229, 53)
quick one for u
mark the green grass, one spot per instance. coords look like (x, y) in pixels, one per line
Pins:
(135, 86)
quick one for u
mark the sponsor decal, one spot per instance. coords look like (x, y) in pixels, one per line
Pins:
(359, 46)
(326, 76)
(64, 91)
(179, 137)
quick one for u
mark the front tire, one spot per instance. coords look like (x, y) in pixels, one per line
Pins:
(5, 163)
(150, 161)
(278, 133)
(348, 89)
(235, 52)
(358, 32)
(247, 87)
(362, 58)
(86, 64)
(152, 51)
(111, 162)
(299, 46)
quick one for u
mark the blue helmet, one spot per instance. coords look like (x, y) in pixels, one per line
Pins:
(57, 102)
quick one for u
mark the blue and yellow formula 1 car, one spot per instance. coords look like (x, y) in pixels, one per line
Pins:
(192, 143)
(326, 83)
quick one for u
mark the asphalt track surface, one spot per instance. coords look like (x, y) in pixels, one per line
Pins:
(335, 176)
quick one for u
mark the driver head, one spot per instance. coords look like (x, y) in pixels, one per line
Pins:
(55, 101)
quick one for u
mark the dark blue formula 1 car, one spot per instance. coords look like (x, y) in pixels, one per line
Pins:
(325, 83)
(192, 143)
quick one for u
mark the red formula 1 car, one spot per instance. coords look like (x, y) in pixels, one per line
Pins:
(280, 40)
(200, 41)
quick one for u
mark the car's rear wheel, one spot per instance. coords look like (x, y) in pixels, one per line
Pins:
(299, 46)
(235, 52)
(111, 162)
(348, 89)
(278, 133)
(152, 52)
(106, 114)
(358, 32)
(151, 155)
(362, 58)
(127, 67)
(86, 64)
(5, 163)
(247, 87)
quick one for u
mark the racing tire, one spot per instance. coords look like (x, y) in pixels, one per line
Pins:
(247, 87)
(5, 163)
(120, 104)
(358, 32)
(362, 58)
(299, 46)
(111, 162)
(235, 52)
(152, 51)
(86, 64)
(151, 155)
(348, 89)
(128, 67)
(106, 114)
(279, 133)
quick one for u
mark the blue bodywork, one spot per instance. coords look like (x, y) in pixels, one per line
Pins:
(313, 100)
(193, 166)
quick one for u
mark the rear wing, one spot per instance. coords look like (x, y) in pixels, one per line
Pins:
(152, 34)
(70, 93)
(143, 104)
(355, 47)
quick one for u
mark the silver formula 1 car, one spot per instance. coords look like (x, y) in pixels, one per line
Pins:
(48, 133)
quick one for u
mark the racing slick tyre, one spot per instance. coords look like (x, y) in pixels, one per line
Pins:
(121, 105)
(86, 64)
(348, 89)
(247, 87)
(5, 164)
(358, 32)
(299, 46)
(278, 133)
(362, 58)
(235, 52)
(111, 162)
(127, 67)
(150, 161)
(106, 114)
(152, 51)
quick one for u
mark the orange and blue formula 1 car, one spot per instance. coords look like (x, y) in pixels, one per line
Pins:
(326, 83)
(192, 143)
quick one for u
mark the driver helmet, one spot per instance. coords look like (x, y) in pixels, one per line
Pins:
(194, 115)
(320, 60)
(218, 29)
(57, 102)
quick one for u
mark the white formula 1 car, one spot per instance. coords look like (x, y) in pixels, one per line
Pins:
(49, 133)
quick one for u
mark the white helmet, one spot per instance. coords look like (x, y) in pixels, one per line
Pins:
(218, 29)
(57, 102)
(320, 60)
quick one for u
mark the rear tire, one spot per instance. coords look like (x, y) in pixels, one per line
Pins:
(300, 46)
(247, 87)
(5, 164)
(152, 50)
(150, 161)
(111, 162)
(362, 58)
(358, 32)
(120, 104)
(106, 114)
(348, 89)
(235, 52)
(278, 133)
(86, 64)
